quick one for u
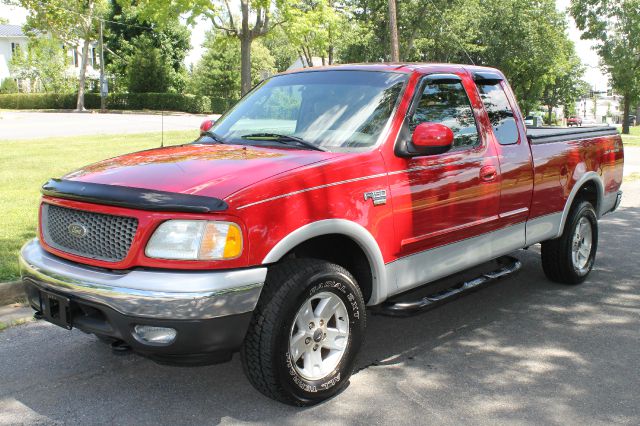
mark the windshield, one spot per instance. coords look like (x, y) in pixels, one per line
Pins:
(334, 110)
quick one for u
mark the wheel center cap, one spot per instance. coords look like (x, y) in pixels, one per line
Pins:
(317, 335)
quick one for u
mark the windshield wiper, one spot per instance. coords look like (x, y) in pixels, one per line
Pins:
(284, 139)
(216, 138)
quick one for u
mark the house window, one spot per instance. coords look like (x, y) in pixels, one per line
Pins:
(75, 57)
(14, 48)
(93, 57)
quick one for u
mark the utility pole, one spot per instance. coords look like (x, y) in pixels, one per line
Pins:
(103, 82)
(393, 29)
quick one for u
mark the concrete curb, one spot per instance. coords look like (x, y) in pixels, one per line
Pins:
(11, 292)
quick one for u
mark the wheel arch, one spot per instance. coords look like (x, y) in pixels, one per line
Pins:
(589, 187)
(342, 228)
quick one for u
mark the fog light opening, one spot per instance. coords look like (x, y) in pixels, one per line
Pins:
(152, 335)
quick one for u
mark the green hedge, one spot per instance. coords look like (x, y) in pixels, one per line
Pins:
(129, 101)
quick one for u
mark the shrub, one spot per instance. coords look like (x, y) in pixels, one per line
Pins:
(37, 101)
(8, 86)
(118, 101)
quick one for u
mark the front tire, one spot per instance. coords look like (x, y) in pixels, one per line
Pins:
(305, 333)
(570, 258)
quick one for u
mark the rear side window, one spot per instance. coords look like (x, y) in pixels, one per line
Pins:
(500, 113)
(448, 104)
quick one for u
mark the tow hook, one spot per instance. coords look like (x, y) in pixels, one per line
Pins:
(120, 347)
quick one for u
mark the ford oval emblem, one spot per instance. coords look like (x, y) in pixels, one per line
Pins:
(77, 230)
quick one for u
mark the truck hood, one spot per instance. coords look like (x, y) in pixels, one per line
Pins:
(207, 170)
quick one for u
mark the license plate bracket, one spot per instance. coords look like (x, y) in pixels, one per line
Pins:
(56, 309)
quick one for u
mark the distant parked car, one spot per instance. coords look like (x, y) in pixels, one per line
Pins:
(533, 121)
(574, 121)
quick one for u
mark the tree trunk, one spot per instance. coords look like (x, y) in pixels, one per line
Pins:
(245, 49)
(331, 58)
(625, 119)
(549, 114)
(83, 74)
(393, 30)
(245, 68)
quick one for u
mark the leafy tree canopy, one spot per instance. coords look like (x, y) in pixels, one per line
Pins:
(217, 73)
(43, 63)
(128, 40)
(615, 26)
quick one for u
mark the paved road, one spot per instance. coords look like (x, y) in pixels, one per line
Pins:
(29, 125)
(522, 351)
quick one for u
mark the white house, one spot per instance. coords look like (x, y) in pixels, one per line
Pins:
(12, 38)
(602, 108)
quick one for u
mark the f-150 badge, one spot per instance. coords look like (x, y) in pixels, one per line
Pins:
(379, 197)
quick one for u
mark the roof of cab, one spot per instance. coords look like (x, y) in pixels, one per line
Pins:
(397, 67)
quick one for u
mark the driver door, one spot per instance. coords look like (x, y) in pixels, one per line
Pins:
(445, 198)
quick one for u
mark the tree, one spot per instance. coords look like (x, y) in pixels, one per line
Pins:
(393, 32)
(146, 69)
(8, 85)
(564, 85)
(44, 62)
(70, 21)
(128, 39)
(314, 27)
(216, 74)
(283, 51)
(254, 21)
(527, 41)
(615, 26)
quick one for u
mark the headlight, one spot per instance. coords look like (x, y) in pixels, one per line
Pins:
(195, 240)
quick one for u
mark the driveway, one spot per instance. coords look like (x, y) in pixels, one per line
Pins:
(30, 125)
(524, 350)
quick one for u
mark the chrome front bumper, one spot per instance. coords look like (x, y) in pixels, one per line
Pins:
(179, 295)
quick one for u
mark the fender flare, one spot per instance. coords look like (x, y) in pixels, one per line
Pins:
(356, 232)
(587, 177)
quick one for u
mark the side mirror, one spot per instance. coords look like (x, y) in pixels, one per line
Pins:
(206, 125)
(432, 138)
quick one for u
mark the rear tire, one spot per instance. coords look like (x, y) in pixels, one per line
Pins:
(305, 332)
(569, 259)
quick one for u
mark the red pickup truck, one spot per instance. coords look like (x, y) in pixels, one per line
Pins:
(322, 192)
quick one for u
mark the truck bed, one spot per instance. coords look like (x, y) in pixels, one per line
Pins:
(540, 135)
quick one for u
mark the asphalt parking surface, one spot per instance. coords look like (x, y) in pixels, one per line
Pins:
(33, 125)
(523, 351)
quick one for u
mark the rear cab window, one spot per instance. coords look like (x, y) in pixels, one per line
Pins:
(500, 113)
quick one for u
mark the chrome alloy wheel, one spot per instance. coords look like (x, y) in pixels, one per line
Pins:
(581, 244)
(319, 335)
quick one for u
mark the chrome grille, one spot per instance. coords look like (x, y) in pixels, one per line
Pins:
(93, 235)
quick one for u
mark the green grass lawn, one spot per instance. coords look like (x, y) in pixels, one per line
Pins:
(633, 138)
(26, 164)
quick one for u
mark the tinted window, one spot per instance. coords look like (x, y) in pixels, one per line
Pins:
(500, 113)
(448, 104)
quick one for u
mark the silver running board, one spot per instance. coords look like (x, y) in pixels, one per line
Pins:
(417, 306)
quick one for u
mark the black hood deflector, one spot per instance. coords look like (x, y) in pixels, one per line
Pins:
(134, 198)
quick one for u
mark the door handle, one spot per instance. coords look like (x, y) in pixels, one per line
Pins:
(488, 174)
